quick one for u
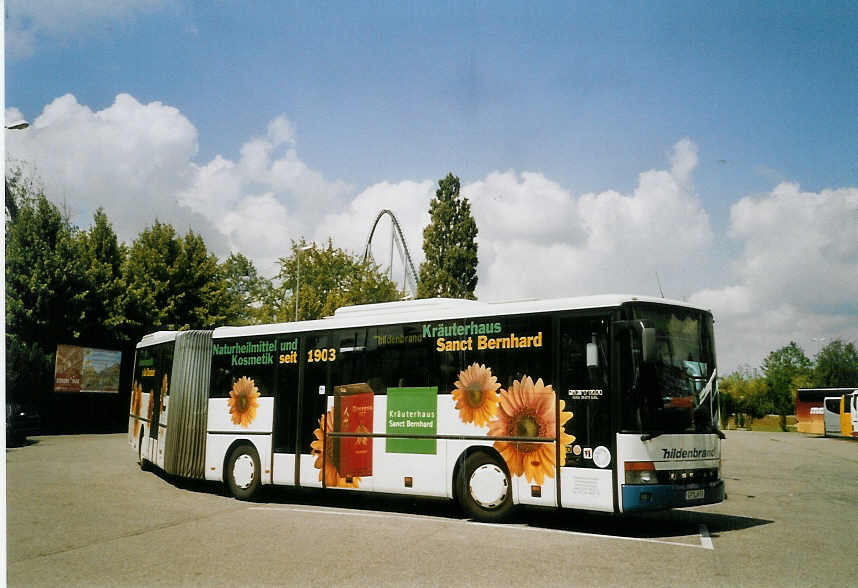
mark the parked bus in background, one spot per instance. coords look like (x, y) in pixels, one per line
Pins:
(605, 403)
(841, 414)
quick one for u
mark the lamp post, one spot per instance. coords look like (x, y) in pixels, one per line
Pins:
(298, 277)
(16, 125)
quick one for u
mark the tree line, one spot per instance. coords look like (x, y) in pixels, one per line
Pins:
(79, 286)
(748, 395)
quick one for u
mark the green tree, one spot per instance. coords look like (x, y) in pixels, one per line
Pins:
(449, 245)
(200, 291)
(102, 256)
(330, 278)
(836, 365)
(785, 369)
(46, 289)
(246, 290)
(172, 282)
(745, 397)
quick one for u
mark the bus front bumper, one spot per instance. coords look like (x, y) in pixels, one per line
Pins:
(640, 497)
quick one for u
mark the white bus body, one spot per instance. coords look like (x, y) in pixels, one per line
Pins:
(605, 403)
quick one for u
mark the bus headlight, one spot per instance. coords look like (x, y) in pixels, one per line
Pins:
(640, 472)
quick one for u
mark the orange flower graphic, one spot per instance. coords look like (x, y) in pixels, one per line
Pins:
(527, 410)
(150, 405)
(476, 394)
(136, 398)
(242, 401)
(165, 389)
(136, 401)
(330, 475)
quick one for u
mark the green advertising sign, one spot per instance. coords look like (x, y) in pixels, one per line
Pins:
(412, 411)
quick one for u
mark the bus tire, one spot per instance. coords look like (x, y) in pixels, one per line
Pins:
(242, 473)
(484, 488)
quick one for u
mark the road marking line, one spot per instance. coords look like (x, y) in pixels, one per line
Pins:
(350, 513)
(705, 540)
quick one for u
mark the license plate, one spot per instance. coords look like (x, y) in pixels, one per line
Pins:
(695, 494)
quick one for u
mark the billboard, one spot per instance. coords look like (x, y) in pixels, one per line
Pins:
(86, 369)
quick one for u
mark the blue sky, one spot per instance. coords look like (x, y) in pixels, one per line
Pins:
(378, 102)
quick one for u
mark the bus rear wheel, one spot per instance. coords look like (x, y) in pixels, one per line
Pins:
(243, 472)
(484, 488)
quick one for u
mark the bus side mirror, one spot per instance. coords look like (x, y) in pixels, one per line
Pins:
(646, 333)
(592, 355)
(648, 344)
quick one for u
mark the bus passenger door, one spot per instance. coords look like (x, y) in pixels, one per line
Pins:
(831, 415)
(855, 413)
(284, 464)
(318, 354)
(587, 465)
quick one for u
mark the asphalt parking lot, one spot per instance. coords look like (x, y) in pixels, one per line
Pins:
(80, 512)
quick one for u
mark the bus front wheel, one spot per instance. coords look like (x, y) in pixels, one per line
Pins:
(485, 491)
(243, 472)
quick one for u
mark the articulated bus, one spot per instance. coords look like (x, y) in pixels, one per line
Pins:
(604, 403)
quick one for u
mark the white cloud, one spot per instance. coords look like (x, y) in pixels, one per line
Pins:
(13, 114)
(29, 21)
(351, 225)
(537, 239)
(259, 227)
(136, 161)
(797, 276)
(129, 158)
(293, 196)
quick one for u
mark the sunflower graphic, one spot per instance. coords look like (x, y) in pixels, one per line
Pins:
(476, 394)
(527, 410)
(165, 389)
(242, 401)
(330, 476)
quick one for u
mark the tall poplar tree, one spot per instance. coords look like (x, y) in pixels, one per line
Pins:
(449, 245)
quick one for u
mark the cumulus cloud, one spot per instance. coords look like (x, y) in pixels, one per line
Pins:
(137, 162)
(537, 239)
(129, 158)
(351, 225)
(30, 21)
(264, 199)
(797, 275)
(13, 114)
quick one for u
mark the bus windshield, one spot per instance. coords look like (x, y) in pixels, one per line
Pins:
(676, 392)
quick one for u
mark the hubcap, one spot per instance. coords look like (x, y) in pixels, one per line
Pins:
(242, 471)
(488, 486)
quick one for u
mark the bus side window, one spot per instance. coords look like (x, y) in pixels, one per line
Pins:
(397, 357)
(350, 366)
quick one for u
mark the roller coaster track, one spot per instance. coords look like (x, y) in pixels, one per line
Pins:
(410, 279)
